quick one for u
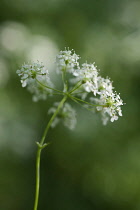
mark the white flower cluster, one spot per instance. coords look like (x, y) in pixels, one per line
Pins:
(67, 60)
(81, 81)
(109, 106)
(109, 101)
(29, 74)
(66, 114)
(88, 75)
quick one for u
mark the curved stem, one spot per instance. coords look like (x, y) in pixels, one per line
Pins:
(41, 146)
(78, 99)
(59, 91)
(51, 120)
(81, 104)
(76, 87)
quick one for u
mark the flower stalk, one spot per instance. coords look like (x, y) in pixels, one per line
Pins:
(82, 84)
(41, 146)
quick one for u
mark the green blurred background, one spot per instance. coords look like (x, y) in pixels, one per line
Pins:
(92, 167)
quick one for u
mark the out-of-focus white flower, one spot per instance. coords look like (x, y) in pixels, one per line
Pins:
(39, 91)
(66, 114)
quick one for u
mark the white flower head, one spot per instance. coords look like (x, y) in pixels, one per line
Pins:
(81, 81)
(104, 86)
(67, 60)
(29, 71)
(109, 106)
(31, 75)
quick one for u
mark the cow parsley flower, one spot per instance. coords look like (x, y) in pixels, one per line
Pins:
(88, 75)
(81, 81)
(66, 114)
(110, 100)
(109, 106)
(78, 81)
(36, 78)
(29, 71)
(104, 86)
(67, 60)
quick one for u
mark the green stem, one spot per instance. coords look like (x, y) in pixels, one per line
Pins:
(78, 99)
(81, 104)
(76, 87)
(79, 92)
(51, 120)
(37, 178)
(60, 94)
(41, 146)
(59, 91)
(65, 82)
